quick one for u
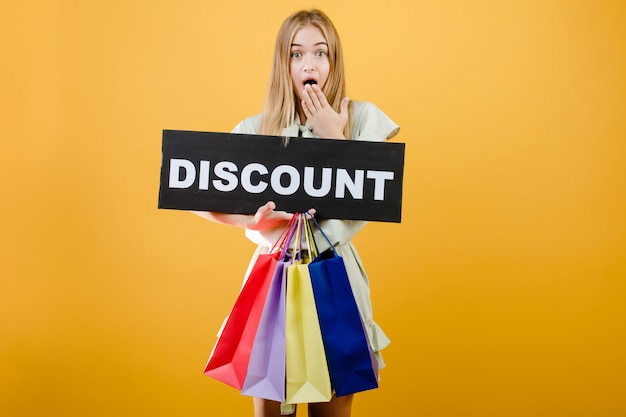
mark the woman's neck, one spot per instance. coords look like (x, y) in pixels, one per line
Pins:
(300, 112)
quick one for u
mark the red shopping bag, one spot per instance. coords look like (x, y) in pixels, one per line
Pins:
(229, 360)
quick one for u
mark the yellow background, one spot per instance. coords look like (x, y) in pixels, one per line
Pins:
(503, 289)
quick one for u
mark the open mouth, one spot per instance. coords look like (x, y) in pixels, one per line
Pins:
(310, 82)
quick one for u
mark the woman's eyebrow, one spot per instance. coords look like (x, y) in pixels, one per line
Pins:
(317, 44)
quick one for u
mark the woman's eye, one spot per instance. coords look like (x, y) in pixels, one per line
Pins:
(296, 54)
(320, 53)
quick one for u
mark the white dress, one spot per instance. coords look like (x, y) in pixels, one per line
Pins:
(368, 123)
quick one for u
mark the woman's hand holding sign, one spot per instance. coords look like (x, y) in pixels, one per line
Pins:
(266, 217)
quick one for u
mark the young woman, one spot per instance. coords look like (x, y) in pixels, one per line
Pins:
(306, 97)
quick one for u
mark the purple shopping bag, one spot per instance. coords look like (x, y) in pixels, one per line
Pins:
(265, 377)
(266, 369)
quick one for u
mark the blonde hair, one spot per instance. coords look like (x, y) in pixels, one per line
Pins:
(279, 110)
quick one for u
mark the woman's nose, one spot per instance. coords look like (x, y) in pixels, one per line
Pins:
(309, 65)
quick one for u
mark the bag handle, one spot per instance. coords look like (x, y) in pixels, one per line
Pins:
(303, 239)
(285, 235)
(323, 234)
(310, 240)
(297, 247)
(292, 229)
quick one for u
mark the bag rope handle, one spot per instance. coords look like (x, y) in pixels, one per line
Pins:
(287, 243)
(285, 235)
(296, 256)
(310, 240)
(323, 234)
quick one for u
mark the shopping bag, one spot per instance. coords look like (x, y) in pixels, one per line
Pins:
(266, 370)
(229, 359)
(265, 377)
(307, 377)
(351, 362)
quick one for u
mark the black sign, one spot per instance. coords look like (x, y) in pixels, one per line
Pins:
(235, 173)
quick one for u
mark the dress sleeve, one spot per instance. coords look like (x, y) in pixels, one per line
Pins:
(240, 128)
(249, 126)
(371, 124)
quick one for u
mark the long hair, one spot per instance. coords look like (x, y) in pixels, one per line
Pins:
(279, 110)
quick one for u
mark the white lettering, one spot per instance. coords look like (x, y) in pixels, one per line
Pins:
(229, 181)
(190, 173)
(294, 183)
(246, 180)
(379, 178)
(183, 175)
(345, 182)
(309, 188)
(205, 166)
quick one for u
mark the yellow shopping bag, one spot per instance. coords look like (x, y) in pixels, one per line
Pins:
(307, 376)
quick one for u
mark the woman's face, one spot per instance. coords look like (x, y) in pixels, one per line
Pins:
(309, 59)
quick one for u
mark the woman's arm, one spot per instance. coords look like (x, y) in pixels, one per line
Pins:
(266, 217)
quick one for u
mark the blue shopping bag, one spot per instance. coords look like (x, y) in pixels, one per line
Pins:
(350, 359)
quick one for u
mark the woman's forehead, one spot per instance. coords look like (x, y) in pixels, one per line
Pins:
(309, 34)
